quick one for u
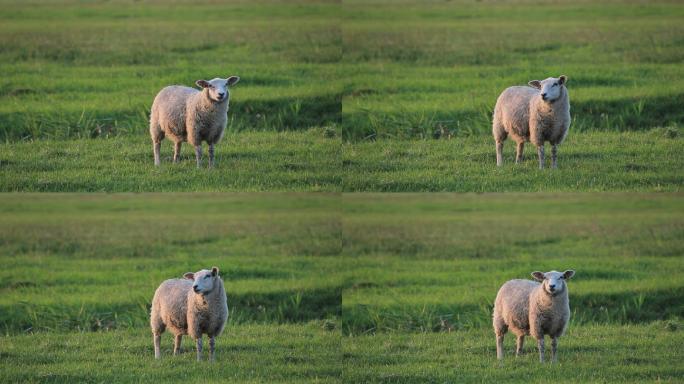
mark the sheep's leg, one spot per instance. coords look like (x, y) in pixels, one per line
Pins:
(499, 346)
(211, 155)
(499, 153)
(540, 154)
(198, 154)
(157, 341)
(554, 154)
(519, 152)
(212, 344)
(554, 347)
(519, 345)
(540, 346)
(156, 148)
(177, 344)
(199, 348)
(177, 151)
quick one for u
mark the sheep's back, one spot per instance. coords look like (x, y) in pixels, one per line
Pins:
(512, 109)
(170, 107)
(512, 303)
(170, 300)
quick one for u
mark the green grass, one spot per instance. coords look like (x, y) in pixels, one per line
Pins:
(587, 354)
(310, 161)
(79, 272)
(92, 262)
(250, 161)
(339, 287)
(421, 259)
(426, 268)
(80, 70)
(292, 353)
(599, 161)
(427, 66)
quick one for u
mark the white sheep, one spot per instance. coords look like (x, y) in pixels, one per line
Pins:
(186, 114)
(538, 114)
(191, 306)
(530, 308)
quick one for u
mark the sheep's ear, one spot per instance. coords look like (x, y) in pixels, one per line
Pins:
(232, 80)
(539, 276)
(202, 83)
(562, 79)
(568, 274)
(189, 276)
(214, 271)
(535, 84)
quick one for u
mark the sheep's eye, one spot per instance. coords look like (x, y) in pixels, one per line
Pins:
(207, 276)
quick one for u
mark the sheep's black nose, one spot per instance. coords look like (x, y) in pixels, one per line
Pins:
(552, 286)
(543, 95)
(194, 287)
(221, 95)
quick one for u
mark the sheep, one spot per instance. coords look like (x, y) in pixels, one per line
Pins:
(538, 114)
(186, 114)
(533, 308)
(194, 305)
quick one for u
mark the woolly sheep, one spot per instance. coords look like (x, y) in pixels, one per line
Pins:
(538, 114)
(186, 114)
(533, 308)
(191, 306)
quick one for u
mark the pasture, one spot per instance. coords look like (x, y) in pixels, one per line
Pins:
(338, 96)
(427, 268)
(79, 272)
(79, 79)
(426, 66)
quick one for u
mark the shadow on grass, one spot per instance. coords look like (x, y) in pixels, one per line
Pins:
(279, 114)
(624, 114)
(628, 307)
(288, 306)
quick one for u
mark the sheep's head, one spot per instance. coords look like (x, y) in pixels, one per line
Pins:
(217, 89)
(553, 282)
(550, 89)
(204, 281)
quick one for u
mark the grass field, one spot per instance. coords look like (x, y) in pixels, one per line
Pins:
(79, 272)
(384, 78)
(420, 66)
(427, 268)
(338, 287)
(79, 70)
(250, 161)
(588, 162)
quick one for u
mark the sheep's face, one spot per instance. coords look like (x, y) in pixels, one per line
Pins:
(550, 89)
(204, 281)
(553, 282)
(217, 89)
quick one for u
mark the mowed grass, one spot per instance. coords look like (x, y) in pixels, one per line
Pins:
(426, 268)
(79, 272)
(592, 161)
(288, 353)
(587, 354)
(80, 70)
(250, 161)
(426, 66)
